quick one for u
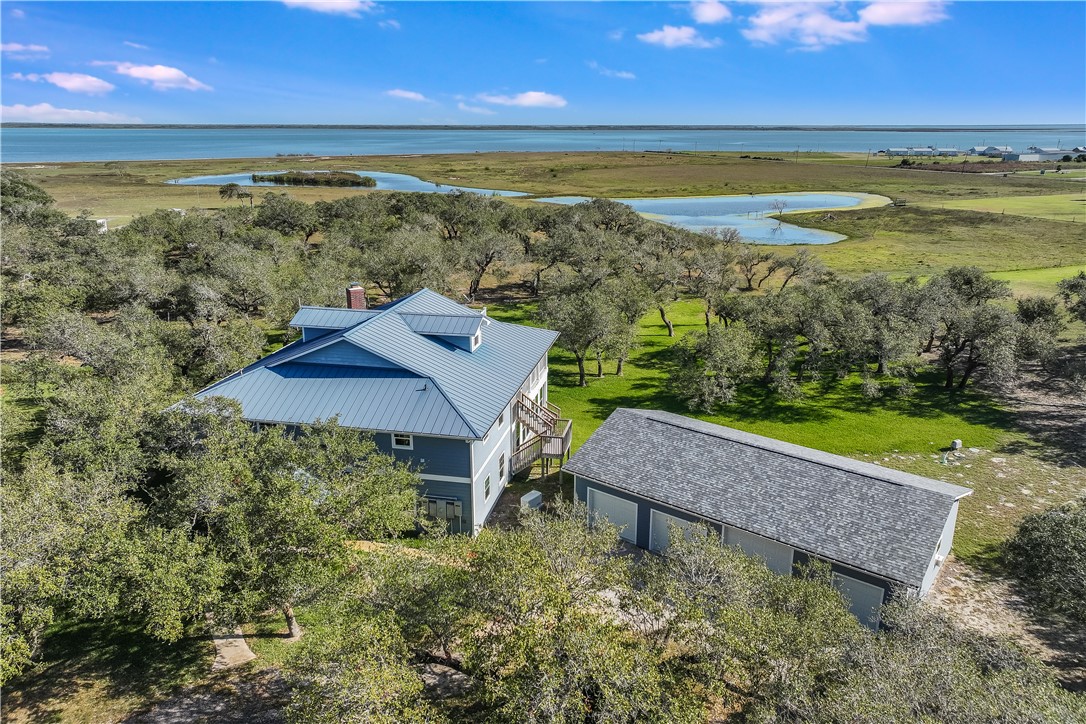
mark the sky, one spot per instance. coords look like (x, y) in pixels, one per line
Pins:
(553, 63)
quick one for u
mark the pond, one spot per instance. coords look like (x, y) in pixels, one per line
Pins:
(749, 214)
(385, 181)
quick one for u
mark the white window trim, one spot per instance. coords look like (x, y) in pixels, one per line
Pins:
(487, 488)
(410, 441)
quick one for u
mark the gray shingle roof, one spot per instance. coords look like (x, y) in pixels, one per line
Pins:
(384, 375)
(865, 516)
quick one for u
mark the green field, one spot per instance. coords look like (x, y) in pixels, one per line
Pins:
(119, 189)
(1059, 207)
(916, 240)
(908, 434)
(1025, 282)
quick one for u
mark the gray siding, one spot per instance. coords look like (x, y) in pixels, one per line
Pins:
(644, 508)
(432, 455)
(644, 512)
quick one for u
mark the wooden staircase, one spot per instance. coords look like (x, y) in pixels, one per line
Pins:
(552, 434)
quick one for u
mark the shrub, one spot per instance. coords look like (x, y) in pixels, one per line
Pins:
(1048, 552)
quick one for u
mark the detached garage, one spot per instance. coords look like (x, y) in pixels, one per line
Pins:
(880, 530)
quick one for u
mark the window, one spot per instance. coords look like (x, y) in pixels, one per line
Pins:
(401, 441)
(501, 418)
(486, 488)
(501, 467)
(477, 340)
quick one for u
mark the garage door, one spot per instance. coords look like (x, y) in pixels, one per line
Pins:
(864, 599)
(777, 556)
(622, 513)
(659, 527)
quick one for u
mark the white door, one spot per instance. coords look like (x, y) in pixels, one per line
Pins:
(618, 511)
(659, 529)
(777, 556)
(864, 599)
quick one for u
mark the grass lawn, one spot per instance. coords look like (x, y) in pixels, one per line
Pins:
(915, 240)
(1025, 282)
(100, 671)
(908, 434)
(1059, 207)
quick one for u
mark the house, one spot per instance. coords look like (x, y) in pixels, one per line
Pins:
(879, 530)
(991, 151)
(460, 396)
(1036, 153)
(946, 152)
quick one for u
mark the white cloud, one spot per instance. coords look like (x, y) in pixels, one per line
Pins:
(708, 12)
(474, 109)
(350, 8)
(74, 82)
(408, 95)
(814, 26)
(903, 13)
(528, 99)
(390, 24)
(45, 113)
(160, 77)
(19, 50)
(616, 34)
(685, 36)
(18, 14)
(623, 74)
(138, 46)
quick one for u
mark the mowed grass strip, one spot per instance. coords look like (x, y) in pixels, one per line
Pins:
(1038, 282)
(1059, 207)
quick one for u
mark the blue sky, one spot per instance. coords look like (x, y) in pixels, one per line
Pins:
(544, 63)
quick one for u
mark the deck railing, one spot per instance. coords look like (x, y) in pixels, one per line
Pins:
(556, 444)
(525, 455)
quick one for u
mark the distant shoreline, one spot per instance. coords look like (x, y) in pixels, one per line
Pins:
(1072, 127)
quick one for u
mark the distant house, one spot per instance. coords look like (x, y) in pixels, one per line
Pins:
(991, 151)
(1036, 153)
(880, 530)
(947, 152)
(459, 395)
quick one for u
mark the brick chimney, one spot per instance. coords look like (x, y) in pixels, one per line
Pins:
(356, 296)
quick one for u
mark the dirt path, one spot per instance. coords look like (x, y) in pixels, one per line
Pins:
(993, 606)
(233, 697)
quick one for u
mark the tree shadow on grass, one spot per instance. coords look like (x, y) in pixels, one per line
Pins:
(77, 656)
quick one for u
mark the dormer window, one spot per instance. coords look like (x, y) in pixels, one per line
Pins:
(476, 340)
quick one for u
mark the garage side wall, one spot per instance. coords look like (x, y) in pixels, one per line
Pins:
(644, 507)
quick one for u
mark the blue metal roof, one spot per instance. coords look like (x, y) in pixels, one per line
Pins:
(455, 325)
(383, 374)
(330, 317)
